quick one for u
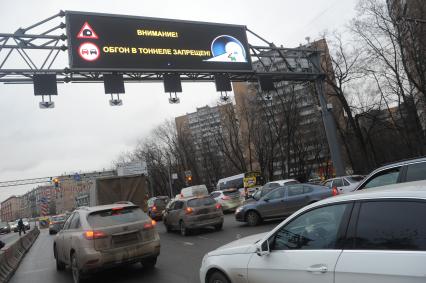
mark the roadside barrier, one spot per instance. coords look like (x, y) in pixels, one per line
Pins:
(11, 256)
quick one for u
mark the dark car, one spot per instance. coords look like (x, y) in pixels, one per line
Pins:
(156, 207)
(398, 172)
(56, 224)
(191, 213)
(281, 202)
(4, 228)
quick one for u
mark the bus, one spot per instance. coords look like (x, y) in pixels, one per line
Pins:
(250, 180)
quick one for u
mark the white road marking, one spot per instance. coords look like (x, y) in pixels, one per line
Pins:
(204, 238)
(188, 244)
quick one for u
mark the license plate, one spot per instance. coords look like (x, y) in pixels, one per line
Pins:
(125, 239)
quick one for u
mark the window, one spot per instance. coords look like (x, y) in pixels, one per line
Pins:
(383, 178)
(178, 205)
(75, 222)
(67, 223)
(328, 184)
(275, 194)
(111, 217)
(416, 172)
(197, 202)
(346, 183)
(313, 230)
(307, 189)
(391, 225)
(295, 190)
(337, 183)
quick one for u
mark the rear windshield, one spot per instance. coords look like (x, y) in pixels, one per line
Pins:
(58, 218)
(201, 202)
(161, 202)
(354, 179)
(111, 217)
(231, 192)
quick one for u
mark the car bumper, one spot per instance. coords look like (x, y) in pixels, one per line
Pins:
(156, 215)
(99, 260)
(239, 216)
(205, 223)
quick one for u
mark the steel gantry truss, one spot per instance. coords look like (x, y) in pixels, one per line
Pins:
(51, 41)
(278, 63)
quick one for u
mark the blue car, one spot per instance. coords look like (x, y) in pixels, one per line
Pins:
(280, 202)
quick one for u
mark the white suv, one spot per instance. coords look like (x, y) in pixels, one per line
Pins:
(371, 236)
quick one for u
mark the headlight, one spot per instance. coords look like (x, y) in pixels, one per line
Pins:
(238, 210)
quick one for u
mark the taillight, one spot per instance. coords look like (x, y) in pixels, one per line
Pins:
(50, 223)
(218, 206)
(189, 210)
(226, 197)
(334, 191)
(90, 235)
(116, 208)
(149, 225)
(154, 208)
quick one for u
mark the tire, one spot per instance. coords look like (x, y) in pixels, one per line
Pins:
(76, 273)
(183, 230)
(218, 227)
(217, 277)
(252, 218)
(60, 266)
(149, 262)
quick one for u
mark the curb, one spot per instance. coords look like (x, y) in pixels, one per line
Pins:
(12, 256)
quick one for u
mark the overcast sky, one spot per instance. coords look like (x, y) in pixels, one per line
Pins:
(84, 133)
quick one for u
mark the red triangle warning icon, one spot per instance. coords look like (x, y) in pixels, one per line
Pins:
(87, 32)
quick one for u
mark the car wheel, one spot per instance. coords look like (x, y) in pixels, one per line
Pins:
(149, 262)
(76, 273)
(217, 277)
(253, 218)
(59, 265)
(183, 230)
(218, 227)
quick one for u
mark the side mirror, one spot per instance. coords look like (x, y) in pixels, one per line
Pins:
(263, 249)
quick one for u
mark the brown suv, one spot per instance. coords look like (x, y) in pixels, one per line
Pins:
(99, 237)
(191, 213)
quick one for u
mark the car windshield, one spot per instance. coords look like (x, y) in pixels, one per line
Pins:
(161, 202)
(197, 202)
(112, 217)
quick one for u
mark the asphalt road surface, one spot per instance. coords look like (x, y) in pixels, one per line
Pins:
(179, 261)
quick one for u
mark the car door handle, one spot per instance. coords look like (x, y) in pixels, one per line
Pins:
(318, 268)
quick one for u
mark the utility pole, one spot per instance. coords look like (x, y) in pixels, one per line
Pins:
(328, 120)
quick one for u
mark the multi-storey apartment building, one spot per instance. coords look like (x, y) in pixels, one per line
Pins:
(11, 209)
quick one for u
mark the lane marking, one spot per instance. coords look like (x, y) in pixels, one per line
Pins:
(188, 244)
(204, 238)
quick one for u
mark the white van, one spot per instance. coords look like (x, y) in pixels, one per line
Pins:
(198, 190)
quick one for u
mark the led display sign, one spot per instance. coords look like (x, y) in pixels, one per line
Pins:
(124, 43)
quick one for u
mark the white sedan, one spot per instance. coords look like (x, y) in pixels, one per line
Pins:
(369, 237)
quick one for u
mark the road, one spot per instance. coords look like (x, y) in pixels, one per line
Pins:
(179, 261)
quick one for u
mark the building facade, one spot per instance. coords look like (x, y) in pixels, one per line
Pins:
(11, 209)
(203, 130)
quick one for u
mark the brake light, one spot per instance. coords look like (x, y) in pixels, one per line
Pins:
(50, 223)
(218, 206)
(226, 197)
(334, 191)
(189, 210)
(90, 235)
(116, 208)
(154, 208)
(150, 225)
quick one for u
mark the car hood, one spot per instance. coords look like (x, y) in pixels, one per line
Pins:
(240, 246)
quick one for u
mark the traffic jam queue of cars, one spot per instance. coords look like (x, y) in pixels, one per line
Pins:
(375, 234)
